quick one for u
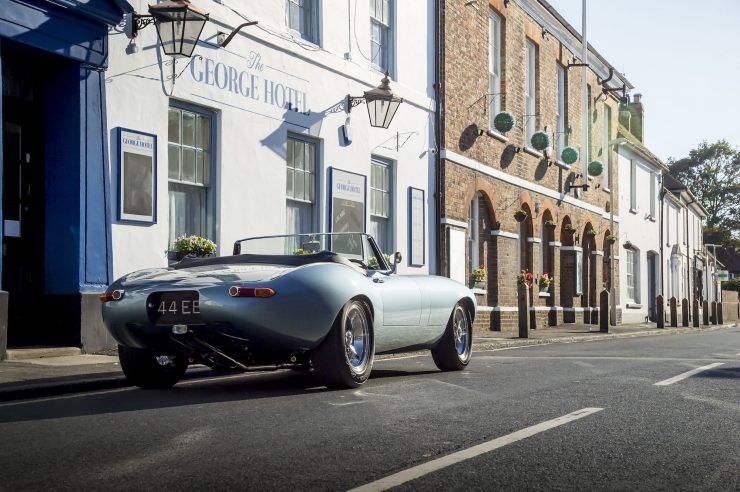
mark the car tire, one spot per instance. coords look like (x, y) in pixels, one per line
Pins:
(345, 357)
(142, 369)
(454, 349)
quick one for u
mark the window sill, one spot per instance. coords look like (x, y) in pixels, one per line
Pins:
(634, 305)
(497, 136)
(633, 210)
(608, 190)
(652, 219)
(531, 151)
(543, 294)
(590, 178)
(563, 165)
(479, 291)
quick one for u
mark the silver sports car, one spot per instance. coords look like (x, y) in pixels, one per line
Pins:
(329, 302)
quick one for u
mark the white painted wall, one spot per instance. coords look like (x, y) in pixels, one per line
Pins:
(250, 180)
(641, 229)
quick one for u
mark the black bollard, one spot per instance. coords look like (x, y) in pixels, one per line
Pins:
(674, 313)
(604, 311)
(720, 316)
(714, 312)
(705, 314)
(696, 313)
(684, 312)
(660, 316)
(523, 303)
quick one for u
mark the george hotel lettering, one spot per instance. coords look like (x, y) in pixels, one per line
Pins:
(135, 142)
(349, 187)
(248, 84)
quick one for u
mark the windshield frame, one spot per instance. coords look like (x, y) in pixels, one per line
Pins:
(383, 265)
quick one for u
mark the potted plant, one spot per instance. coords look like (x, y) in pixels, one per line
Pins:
(569, 155)
(520, 215)
(551, 223)
(525, 278)
(569, 228)
(540, 140)
(478, 277)
(628, 244)
(543, 282)
(591, 232)
(504, 122)
(611, 238)
(193, 245)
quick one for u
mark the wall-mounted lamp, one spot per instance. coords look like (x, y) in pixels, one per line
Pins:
(570, 186)
(178, 24)
(381, 104)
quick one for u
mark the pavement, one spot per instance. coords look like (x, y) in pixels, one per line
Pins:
(48, 371)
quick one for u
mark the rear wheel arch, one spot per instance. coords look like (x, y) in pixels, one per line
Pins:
(469, 307)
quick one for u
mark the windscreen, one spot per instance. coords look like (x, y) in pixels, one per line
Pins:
(353, 246)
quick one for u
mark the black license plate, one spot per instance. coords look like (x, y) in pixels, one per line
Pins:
(174, 307)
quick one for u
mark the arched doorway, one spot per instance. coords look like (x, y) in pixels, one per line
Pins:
(567, 277)
(588, 265)
(480, 246)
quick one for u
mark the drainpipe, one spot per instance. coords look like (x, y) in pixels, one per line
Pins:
(662, 218)
(584, 98)
(438, 132)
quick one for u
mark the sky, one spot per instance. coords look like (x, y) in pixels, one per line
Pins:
(683, 57)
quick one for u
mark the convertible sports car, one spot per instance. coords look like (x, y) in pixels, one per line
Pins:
(329, 302)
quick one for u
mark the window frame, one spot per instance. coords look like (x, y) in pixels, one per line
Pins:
(474, 234)
(561, 109)
(211, 203)
(530, 90)
(607, 149)
(633, 185)
(315, 203)
(313, 20)
(389, 30)
(376, 160)
(495, 22)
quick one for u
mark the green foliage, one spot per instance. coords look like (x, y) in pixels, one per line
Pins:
(595, 168)
(712, 173)
(540, 140)
(197, 245)
(504, 121)
(301, 251)
(569, 155)
(733, 284)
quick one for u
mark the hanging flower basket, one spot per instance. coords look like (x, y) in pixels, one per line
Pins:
(569, 155)
(504, 122)
(611, 238)
(595, 168)
(551, 223)
(569, 228)
(520, 215)
(591, 232)
(540, 141)
(627, 245)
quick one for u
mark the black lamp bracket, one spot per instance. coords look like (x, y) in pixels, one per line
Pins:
(140, 22)
(353, 102)
(228, 39)
(572, 65)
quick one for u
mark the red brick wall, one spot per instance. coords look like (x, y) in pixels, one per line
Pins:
(464, 86)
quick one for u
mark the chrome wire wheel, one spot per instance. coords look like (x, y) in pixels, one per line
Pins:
(461, 333)
(356, 336)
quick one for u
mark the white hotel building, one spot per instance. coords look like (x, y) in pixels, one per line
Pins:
(249, 139)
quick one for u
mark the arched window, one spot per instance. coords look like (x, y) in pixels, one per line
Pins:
(473, 234)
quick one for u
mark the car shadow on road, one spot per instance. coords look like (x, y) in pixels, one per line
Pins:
(207, 390)
(720, 373)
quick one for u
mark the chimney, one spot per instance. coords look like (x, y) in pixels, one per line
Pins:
(637, 117)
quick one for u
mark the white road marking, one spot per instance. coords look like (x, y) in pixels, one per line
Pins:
(687, 374)
(346, 404)
(451, 459)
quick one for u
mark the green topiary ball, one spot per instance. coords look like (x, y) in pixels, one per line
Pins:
(569, 155)
(504, 121)
(595, 168)
(540, 140)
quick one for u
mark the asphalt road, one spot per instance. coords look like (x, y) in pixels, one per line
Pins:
(582, 416)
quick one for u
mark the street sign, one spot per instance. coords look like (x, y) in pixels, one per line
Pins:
(723, 275)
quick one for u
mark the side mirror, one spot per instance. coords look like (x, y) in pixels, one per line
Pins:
(396, 260)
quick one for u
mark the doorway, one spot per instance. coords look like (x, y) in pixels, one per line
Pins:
(23, 188)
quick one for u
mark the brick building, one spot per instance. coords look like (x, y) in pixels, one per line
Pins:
(514, 56)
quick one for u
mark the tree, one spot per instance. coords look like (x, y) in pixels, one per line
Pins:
(712, 173)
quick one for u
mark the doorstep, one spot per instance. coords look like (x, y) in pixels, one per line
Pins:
(41, 352)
